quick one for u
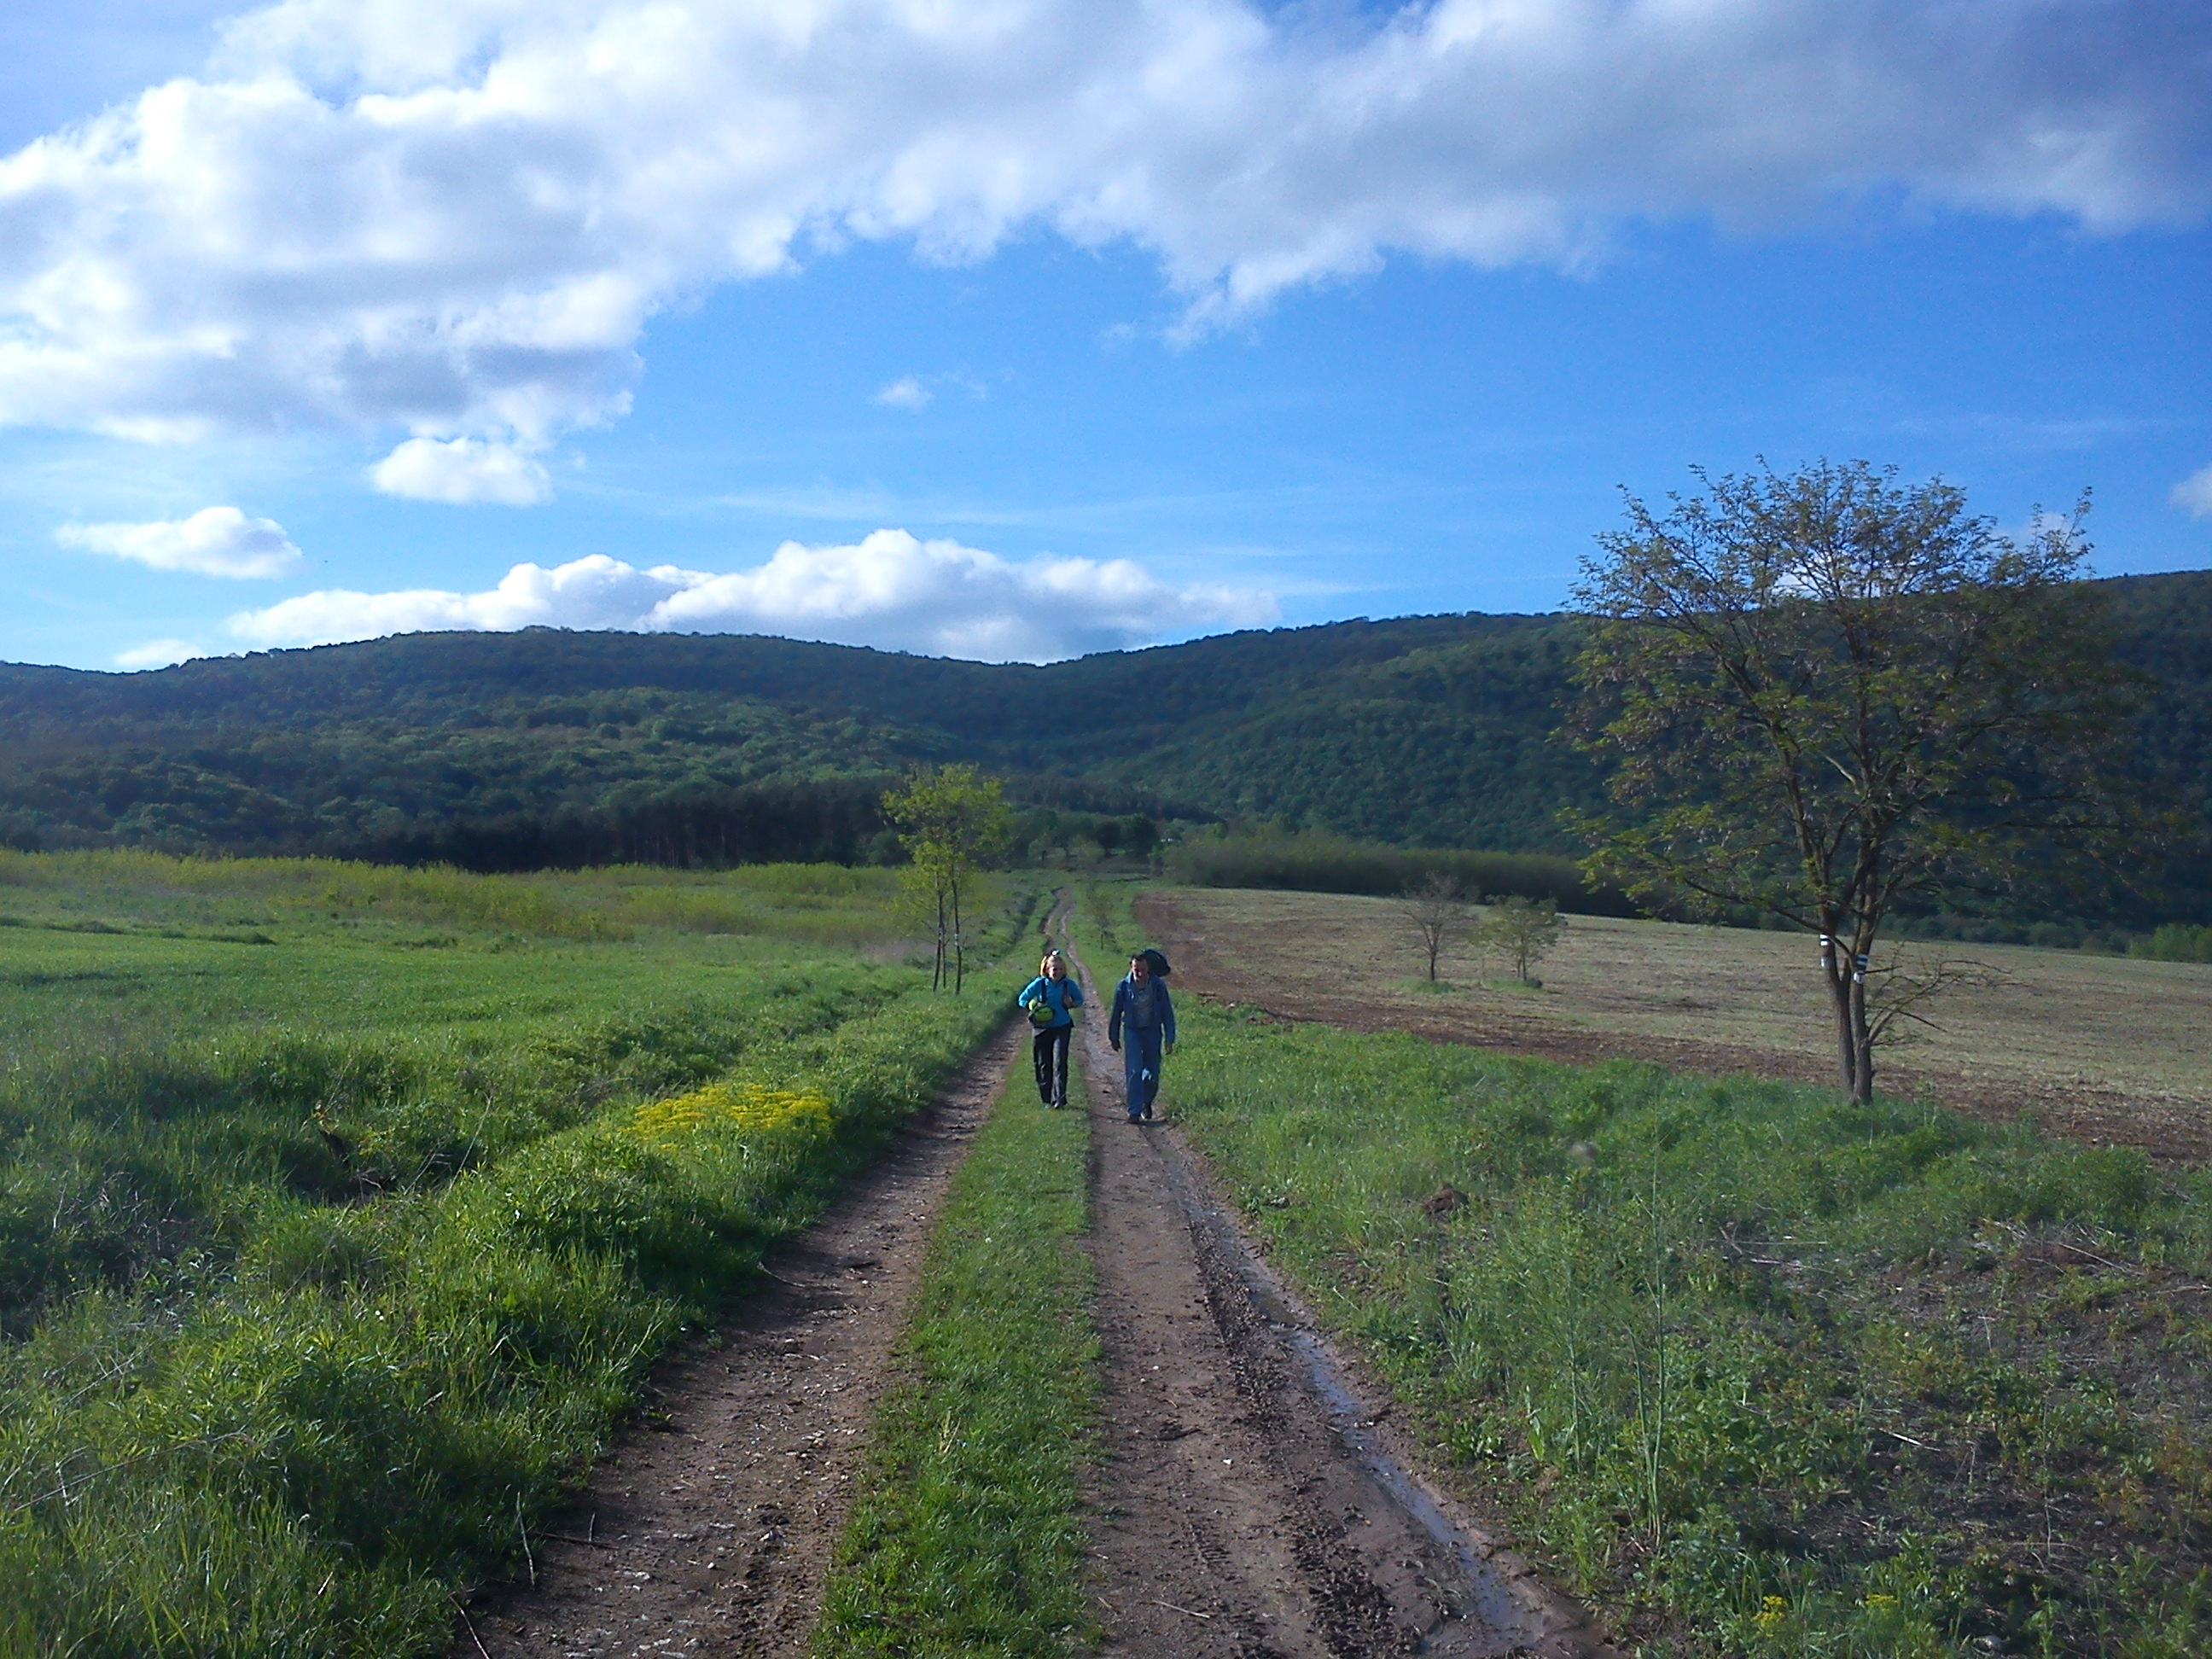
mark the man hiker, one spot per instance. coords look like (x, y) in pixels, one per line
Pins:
(1142, 1029)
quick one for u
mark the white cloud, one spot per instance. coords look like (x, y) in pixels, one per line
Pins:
(158, 654)
(462, 471)
(454, 216)
(889, 590)
(906, 393)
(2195, 494)
(215, 541)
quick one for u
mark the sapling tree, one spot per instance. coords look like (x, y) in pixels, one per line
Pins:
(1524, 930)
(1826, 694)
(952, 821)
(1436, 909)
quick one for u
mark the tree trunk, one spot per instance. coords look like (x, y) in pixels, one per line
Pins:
(959, 945)
(1845, 975)
(1861, 1039)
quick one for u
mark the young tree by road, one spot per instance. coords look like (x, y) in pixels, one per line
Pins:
(952, 821)
(1825, 693)
(1436, 909)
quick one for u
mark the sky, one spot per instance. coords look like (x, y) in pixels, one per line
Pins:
(1018, 329)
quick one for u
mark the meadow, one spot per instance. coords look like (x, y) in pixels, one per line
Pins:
(1756, 1370)
(342, 1209)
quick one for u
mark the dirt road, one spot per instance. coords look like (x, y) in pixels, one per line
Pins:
(1248, 1506)
(711, 1529)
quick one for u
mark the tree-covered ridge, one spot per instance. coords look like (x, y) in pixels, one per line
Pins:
(1433, 730)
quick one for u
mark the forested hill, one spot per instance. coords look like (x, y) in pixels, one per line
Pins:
(1432, 729)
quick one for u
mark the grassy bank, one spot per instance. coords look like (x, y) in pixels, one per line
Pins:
(968, 1539)
(328, 1258)
(1761, 1372)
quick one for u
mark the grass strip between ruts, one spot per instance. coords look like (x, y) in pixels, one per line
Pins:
(968, 1538)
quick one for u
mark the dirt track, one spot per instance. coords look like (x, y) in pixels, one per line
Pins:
(1240, 1511)
(1248, 1506)
(711, 1529)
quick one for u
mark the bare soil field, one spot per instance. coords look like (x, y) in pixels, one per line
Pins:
(2109, 1049)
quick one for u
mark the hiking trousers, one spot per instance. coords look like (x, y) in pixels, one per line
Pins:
(1141, 1067)
(1048, 1049)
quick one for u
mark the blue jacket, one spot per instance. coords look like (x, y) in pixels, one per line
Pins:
(1163, 1011)
(1063, 994)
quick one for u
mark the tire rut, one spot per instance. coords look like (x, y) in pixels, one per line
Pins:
(709, 1528)
(1248, 1506)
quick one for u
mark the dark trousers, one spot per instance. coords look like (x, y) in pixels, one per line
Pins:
(1050, 1049)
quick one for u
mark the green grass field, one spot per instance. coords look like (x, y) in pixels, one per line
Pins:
(338, 1224)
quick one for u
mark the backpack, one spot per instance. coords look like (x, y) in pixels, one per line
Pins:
(1041, 1011)
(1156, 961)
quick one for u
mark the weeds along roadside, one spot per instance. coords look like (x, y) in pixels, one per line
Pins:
(966, 1538)
(1761, 1372)
(303, 1432)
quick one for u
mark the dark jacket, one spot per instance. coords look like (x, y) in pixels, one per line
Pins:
(1162, 1011)
(1063, 994)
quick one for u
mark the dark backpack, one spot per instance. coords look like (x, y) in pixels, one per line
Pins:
(1156, 961)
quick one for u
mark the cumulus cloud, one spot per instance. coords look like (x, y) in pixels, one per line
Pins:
(215, 541)
(906, 393)
(462, 471)
(2195, 494)
(889, 590)
(454, 216)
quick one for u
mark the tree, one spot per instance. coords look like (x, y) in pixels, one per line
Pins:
(952, 822)
(1435, 908)
(1826, 694)
(1525, 930)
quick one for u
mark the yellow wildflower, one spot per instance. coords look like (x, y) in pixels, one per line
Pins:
(751, 1109)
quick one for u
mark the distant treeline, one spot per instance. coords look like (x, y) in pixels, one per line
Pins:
(1321, 863)
(828, 821)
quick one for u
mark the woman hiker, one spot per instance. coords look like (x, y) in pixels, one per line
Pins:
(1052, 999)
(1143, 1027)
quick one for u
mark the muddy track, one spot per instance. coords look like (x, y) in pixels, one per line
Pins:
(709, 1528)
(1249, 1506)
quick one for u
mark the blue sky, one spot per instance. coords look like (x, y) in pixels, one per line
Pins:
(265, 380)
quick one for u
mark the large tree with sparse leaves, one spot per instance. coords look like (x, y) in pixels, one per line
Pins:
(1825, 695)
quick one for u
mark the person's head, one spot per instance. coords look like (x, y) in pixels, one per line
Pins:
(1054, 966)
(1140, 969)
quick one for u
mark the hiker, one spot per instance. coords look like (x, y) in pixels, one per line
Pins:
(1144, 1017)
(1051, 999)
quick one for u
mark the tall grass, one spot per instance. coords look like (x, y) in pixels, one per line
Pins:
(1764, 1372)
(307, 1327)
(1316, 862)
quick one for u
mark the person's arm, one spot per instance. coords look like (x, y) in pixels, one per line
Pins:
(1074, 993)
(1029, 992)
(1167, 1015)
(1114, 1021)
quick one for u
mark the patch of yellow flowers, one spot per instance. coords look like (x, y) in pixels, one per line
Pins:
(751, 1109)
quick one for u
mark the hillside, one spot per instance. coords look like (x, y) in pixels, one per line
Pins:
(1432, 729)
